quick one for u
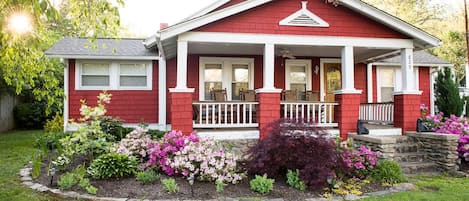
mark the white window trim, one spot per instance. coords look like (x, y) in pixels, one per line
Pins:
(322, 78)
(397, 80)
(226, 72)
(114, 75)
(304, 11)
(307, 63)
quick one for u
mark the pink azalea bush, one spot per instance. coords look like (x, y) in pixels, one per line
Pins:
(135, 143)
(159, 153)
(204, 161)
(452, 125)
(360, 162)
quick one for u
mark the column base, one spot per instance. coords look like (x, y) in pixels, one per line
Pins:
(268, 111)
(181, 111)
(347, 113)
(406, 111)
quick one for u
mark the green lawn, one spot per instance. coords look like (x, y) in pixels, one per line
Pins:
(16, 149)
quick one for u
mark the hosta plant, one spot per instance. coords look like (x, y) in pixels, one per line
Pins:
(113, 165)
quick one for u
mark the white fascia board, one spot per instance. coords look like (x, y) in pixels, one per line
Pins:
(65, 56)
(209, 18)
(213, 37)
(391, 21)
(415, 64)
(206, 10)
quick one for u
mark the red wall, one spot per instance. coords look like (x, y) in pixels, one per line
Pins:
(265, 19)
(424, 85)
(130, 106)
(361, 81)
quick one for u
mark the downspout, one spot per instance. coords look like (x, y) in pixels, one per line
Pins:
(161, 87)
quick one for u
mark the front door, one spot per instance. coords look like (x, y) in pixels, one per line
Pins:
(332, 80)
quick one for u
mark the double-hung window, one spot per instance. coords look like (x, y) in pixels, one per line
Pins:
(298, 76)
(213, 78)
(133, 75)
(95, 75)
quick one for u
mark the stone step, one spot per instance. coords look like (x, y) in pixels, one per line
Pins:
(418, 167)
(410, 157)
(407, 147)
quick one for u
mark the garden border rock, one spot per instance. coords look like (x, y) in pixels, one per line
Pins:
(26, 180)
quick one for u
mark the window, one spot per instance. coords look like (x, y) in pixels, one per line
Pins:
(298, 76)
(133, 75)
(93, 74)
(113, 75)
(389, 81)
(232, 74)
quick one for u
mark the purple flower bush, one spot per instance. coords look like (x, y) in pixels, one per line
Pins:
(204, 161)
(452, 125)
(360, 162)
(135, 144)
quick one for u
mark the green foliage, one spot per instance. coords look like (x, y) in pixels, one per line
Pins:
(55, 125)
(112, 127)
(448, 100)
(37, 161)
(29, 115)
(293, 179)
(67, 181)
(91, 190)
(46, 141)
(113, 165)
(263, 185)
(170, 185)
(85, 182)
(147, 177)
(156, 134)
(388, 172)
(220, 186)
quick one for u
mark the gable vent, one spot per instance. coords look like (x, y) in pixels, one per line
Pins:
(304, 17)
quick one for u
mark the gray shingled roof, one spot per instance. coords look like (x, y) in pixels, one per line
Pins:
(105, 48)
(420, 57)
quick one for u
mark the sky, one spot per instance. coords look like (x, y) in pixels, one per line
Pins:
(143, 17)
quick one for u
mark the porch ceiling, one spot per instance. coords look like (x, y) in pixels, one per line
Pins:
(361, 53)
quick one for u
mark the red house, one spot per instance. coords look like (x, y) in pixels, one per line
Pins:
(237, 65)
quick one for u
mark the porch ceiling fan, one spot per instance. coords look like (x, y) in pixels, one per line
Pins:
(286, 54)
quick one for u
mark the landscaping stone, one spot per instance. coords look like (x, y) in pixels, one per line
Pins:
(28, 183)
(36, 186)
(26, 178)
(403, 187)
(351, 197)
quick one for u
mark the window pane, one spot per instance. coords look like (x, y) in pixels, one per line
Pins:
(297, 74)
(95, 69)
(387, 94)
(133, 81)
(94, 80)
(235, 87)
(211, 85)
(387, 77)
(213, 73)
(240, 73)
(133, 69)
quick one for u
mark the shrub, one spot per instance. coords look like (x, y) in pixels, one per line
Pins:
(49, 141)
(159, 152)
(147, 177)
(85, 182)
(219, 186)
(55, 125)
(263, 185)
(134, 144)
(360, 162)
(156, 134)
(112, 127)
(205, 161)
(295, 145)
(113, 165)
(447, 95)
(293, 179)
(170, 185)
(67, 181)
(30, 115)
(388, 172)
(91, 190)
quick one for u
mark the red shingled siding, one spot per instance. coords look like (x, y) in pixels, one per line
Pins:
(130, 105)
(361, 81)
(424, 85)
(265, 19)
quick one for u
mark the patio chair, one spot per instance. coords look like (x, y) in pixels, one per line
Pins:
(247, 95)
(312, 96)
(289, 95)
(218, 95)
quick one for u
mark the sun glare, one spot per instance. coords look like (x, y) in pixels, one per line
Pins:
(20, 23)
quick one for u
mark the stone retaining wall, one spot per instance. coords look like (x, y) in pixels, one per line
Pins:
(239, 147)
(439, 148)
(385, 145)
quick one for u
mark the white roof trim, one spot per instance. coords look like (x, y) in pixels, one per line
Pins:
(64, 56)
(304, 17)
(207, 9)
(415, 64)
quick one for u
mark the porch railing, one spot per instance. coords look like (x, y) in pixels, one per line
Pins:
(224, 114)
(377, 112)
(320, 112)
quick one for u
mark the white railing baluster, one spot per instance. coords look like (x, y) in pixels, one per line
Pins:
(377, 112)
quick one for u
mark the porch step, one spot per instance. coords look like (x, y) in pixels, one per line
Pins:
(418, 167)
(386, 131)
(409, 157)
(407, 147)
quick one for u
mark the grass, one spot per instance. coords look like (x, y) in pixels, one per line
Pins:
(16, 150)
(432, 188)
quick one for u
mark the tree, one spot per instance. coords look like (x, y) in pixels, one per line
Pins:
(448, 100)
(23, 65)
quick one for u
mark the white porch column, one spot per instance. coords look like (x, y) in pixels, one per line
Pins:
(181, 82)
(348, 72)
(269, 65)
(369, 82)
(162, 93)
(407, 69)
(467, 75)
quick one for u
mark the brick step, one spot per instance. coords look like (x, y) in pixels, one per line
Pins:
(410, 157)
(418, 167)
(407, 147)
